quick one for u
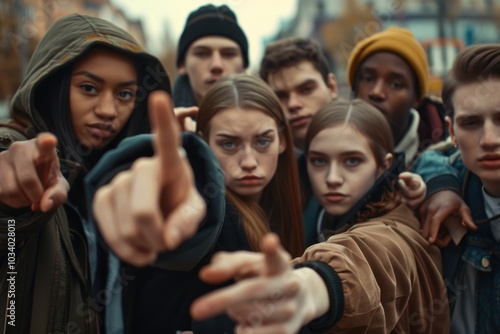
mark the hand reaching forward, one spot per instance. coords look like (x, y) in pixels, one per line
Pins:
(276, 299)
(155, 205)
(30, 174)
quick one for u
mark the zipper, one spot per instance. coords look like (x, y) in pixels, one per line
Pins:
(67, 292)
(91, 320)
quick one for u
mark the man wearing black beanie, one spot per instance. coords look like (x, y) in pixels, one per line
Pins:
(211, 46)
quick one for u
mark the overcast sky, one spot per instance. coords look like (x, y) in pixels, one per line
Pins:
(258, 18)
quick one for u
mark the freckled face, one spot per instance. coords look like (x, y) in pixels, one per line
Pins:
(247, 144)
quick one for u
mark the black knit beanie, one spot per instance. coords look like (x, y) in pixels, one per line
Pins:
(210, 20)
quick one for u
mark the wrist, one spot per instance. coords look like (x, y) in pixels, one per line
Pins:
(316, 294)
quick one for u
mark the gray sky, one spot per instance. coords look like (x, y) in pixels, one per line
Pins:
(258, 18)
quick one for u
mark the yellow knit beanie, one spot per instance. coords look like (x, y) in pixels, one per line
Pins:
(396, 40)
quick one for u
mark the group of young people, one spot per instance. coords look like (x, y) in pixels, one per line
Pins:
(286, 209)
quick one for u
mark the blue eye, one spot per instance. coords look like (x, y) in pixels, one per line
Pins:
(352, 162)
(318, 162)
(228, 145)
(263, 143)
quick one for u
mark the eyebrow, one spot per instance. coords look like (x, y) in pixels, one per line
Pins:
(207, 47)
(299, 85)
(101, 80)
(236, 137)
(353, 152)
(369, 69)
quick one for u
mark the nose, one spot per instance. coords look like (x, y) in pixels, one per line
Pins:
(216, 64)
(377, 92)
(248, 160)
(106, 107)
(334, 177)
(293, 103)
(491, 135)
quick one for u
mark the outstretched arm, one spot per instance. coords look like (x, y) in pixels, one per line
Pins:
(276, 299)
(30, 174)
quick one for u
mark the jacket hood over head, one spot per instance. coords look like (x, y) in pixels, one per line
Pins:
(66, 40)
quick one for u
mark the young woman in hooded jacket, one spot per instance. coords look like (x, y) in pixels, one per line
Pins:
(86, 88)
(375, 274)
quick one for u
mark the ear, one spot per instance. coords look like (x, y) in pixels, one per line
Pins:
(282, 146)
(449, 124)
(332, 85)
(388, 160)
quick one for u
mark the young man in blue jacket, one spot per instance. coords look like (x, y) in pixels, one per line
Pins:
(471, 96)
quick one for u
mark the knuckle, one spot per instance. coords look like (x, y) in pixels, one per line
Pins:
(142, 216)
(130, 232)
(120, 180)
(140, 164)
(16, 147)
(27, 181)
(289, 310)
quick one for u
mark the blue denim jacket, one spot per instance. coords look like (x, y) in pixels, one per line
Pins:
(480, 250)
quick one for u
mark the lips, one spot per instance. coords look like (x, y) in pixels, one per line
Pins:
(335, 197)
(101, 130)
(250, 181)
(300, 121)
(490, 161)
(210, 81)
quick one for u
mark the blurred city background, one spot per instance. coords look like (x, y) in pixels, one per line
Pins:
(443, 27)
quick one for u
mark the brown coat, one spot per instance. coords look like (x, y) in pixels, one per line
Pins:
(391, 276)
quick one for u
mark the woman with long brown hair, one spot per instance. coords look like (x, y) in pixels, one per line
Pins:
(243, 122)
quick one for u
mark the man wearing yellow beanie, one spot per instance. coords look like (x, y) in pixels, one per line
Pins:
(389, 70)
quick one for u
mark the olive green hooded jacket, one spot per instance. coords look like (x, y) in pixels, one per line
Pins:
(44, 277)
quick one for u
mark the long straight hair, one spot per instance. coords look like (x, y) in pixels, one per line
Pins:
(279, 208)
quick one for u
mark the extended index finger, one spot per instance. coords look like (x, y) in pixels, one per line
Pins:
(277, 259)
(165, 128)
(46, 144)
